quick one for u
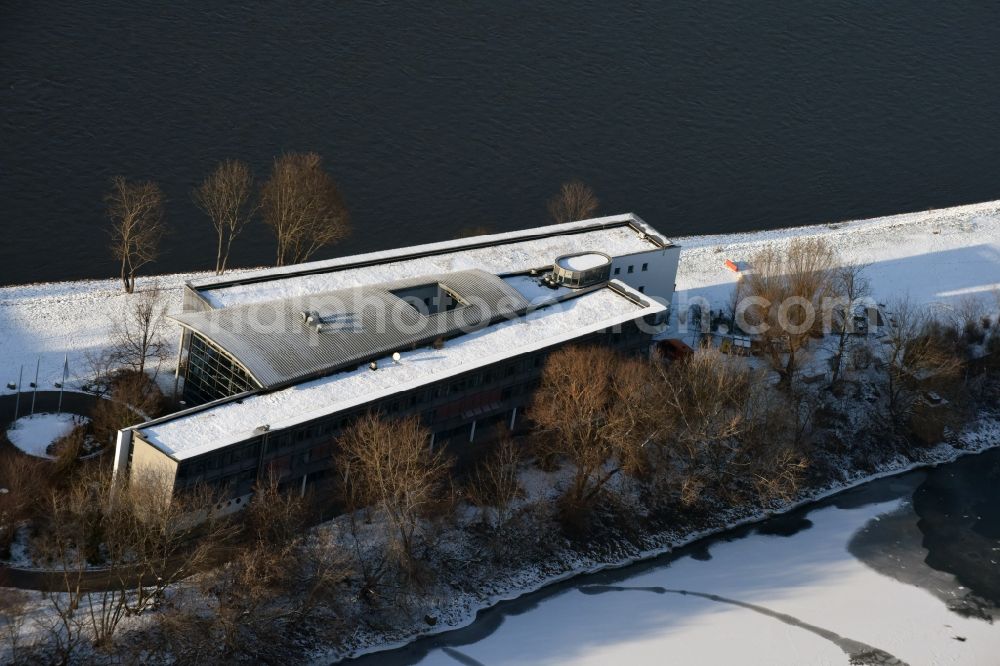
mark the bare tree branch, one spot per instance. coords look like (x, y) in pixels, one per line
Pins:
(226, 196)
(137, 226)
(303, 206)
(914, 355)
(587, 412)
(850, 287)
(137, 337)
(575, 201)
(390, 467)
(787, 289)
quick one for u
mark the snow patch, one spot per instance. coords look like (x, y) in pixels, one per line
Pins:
(33, 434)
(583, 262)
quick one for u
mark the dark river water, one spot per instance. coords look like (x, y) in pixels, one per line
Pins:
(936, 530)
(701, 117)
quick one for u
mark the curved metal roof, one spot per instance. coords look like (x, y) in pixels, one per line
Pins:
(277, 346)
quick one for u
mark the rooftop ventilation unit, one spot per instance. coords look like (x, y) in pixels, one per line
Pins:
(582, 269)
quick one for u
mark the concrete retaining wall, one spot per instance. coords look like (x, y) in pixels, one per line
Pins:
(73, 402)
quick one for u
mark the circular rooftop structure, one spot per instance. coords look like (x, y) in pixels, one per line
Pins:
(582, 269)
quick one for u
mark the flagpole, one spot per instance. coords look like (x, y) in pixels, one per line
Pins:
(62, 385)
(34, 393)
(17, 400)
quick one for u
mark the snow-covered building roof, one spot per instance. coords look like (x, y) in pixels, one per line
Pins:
(236, 419)
(279, 342)
(504, 253)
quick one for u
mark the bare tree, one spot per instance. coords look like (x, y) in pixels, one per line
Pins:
(303, 206)
(724, 430)
(494, 482)
(849, 289)
(390, 467)
(575, 201)
(279, 577)
(24, 481)
(137, 336)
(144, 537)
(136, 212)
(14, 610)
(166, 535)
(706, 411)
(777, 470)
(133, 398)
(992, 345)
(64, 542)
(569, 412)
(970, 317)
(912, 356)
(583, 412)
(630, 424)
(226, 196)
(784, 296)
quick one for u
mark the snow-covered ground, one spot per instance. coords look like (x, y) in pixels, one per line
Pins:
(933, 256)
(937, 255)
(33, 434)
(802, 599)
(45, 321)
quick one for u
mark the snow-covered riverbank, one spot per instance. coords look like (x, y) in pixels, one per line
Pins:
(461, 608)
(935, 256)
(759, 599)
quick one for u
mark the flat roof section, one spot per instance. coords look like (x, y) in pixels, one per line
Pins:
(500, 254)
(279, 342)
(532, 289)
(201, 431)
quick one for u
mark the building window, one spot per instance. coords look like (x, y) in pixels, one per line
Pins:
(631, 269)
(642, 290)
(618, 270)
(211, 374)
(645, 267)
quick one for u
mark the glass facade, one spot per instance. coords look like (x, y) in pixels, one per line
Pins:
(211, 374)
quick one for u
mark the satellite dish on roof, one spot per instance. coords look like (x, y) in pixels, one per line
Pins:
(395, 357)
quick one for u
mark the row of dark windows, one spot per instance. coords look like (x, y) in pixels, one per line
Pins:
(631, 269)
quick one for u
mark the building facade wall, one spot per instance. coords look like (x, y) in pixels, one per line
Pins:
(653, 273)
(151, 467)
